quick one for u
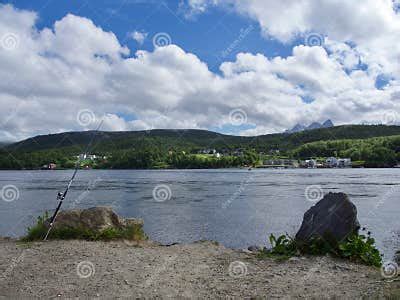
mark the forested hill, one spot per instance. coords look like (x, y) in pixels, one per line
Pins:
(191, 139)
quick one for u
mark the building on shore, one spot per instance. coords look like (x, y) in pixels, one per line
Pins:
(50, 166)
(309, 163)
(344, 163)
(89, 157)
(280, 163)
(331, 162)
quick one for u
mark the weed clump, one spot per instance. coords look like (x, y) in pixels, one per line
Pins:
(357, 247)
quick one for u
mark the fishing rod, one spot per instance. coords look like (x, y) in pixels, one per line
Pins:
(61, 195)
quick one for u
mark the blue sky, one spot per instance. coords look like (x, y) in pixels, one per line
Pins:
(206, 35)
(245, 67)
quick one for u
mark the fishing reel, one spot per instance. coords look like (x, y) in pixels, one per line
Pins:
(60, 196)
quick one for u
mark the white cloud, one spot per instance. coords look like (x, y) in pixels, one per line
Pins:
(373, 26)
(138, 36)
(341, 19)
(56, 72)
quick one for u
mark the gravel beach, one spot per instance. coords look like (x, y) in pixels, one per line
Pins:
(81, 269)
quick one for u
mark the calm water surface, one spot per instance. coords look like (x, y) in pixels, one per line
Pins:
(238, 208)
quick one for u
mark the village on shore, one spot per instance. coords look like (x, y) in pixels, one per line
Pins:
(274, 163)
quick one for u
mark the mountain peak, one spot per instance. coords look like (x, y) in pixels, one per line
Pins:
(315, 125)
(328, 123)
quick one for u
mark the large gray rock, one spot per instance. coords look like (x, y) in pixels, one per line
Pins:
(95, 219)
(333, 217)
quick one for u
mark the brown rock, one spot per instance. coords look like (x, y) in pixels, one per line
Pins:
(95, 218)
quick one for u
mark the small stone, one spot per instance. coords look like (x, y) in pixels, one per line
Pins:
(294, 259)
(254, 248)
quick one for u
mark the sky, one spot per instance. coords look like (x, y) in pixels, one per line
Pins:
(247, 67)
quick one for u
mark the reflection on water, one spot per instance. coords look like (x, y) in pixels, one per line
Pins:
(235, 207)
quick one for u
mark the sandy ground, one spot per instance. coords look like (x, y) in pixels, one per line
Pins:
(80, 269)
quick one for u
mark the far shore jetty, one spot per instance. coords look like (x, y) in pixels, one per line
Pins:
(93, 253)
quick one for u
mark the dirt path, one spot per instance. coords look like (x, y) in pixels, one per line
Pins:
(199, 270)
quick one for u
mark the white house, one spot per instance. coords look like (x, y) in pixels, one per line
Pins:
(332, 162)
(311, 163)
(344, 162)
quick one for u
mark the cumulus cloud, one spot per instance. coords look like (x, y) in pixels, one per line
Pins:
(48, 76)
(373, 26)
(138, 36)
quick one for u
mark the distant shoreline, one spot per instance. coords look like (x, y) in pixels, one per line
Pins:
(181, 169)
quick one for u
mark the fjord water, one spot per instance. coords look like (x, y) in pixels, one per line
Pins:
(235, 207)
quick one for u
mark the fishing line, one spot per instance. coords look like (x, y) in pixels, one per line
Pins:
(61, 195)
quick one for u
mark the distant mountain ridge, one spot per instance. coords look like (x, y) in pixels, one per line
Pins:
(192, 139)
(315, 125)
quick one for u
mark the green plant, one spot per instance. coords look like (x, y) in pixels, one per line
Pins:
(356, 247)
(283, 247)
(38, 231)
(361, 248)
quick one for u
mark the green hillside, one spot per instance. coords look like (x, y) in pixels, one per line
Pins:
(180, 148)
(373, 152)
(192, 139)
